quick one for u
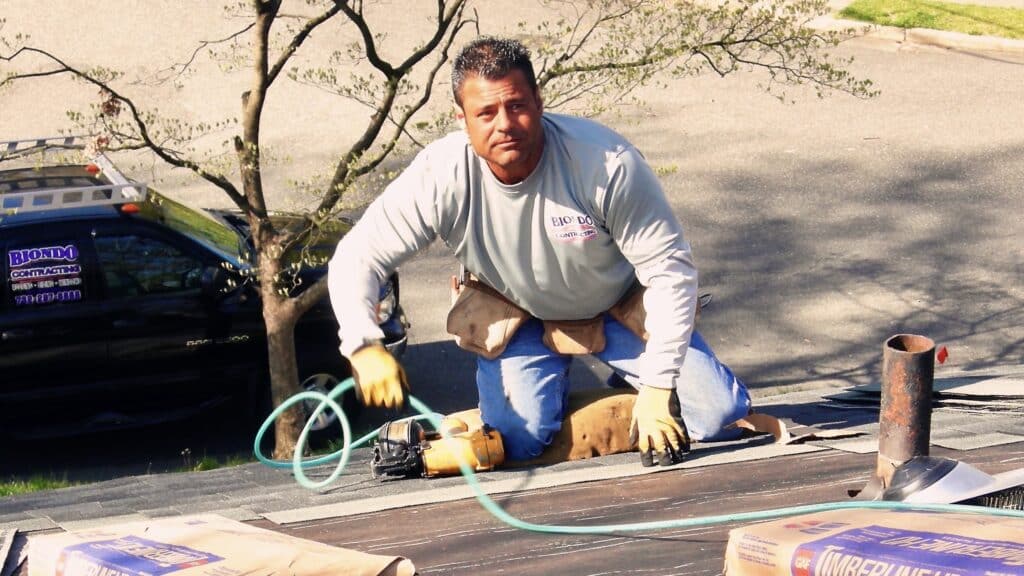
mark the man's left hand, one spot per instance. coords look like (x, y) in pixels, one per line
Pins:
(658, 428)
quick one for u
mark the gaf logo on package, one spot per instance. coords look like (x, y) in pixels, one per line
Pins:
(129, 556)
(803, 561)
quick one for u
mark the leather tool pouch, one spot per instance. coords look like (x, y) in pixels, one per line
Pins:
(575, 336)
(630, 312)
(482, 320)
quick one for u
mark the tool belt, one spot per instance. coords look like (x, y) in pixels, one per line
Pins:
(483, 321)
(630, 312)
(575, 336)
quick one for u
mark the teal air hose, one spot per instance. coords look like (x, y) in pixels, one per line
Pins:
(329, 400)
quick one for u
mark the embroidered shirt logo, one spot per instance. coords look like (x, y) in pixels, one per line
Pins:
(572, 228)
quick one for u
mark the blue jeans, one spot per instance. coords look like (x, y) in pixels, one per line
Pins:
(524, 392)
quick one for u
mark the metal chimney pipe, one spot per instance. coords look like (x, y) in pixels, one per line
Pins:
(905, 416)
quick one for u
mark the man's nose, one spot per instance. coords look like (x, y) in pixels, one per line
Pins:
(503, 120)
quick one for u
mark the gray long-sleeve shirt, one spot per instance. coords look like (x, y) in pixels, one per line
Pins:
(564, 244)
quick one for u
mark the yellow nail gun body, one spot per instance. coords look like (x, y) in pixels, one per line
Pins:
(405, 449)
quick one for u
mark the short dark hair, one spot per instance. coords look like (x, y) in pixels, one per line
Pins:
(493, 59)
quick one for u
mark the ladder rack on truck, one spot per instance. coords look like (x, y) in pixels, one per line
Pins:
(120, 190)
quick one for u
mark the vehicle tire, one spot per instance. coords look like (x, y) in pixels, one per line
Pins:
(327, 427)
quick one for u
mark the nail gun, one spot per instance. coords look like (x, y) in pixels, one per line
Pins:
(404, 449)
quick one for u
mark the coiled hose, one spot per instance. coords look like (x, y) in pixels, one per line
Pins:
(329, 401)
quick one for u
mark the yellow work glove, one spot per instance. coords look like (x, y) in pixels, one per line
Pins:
(380, 379)
(658, 425)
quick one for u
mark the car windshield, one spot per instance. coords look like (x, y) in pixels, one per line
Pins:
(198, 225)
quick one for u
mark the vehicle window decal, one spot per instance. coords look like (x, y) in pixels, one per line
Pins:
(45, 275)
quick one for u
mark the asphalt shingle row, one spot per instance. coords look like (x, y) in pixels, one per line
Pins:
(253, 490)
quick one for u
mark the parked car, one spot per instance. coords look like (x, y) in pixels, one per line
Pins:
(124, 308)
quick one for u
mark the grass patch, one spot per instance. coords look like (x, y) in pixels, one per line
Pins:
(14, 486)
(963, 18)
(190, 464)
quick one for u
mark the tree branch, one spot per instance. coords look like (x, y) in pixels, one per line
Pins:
(356, 17)
(297, 41)
(247, 146)
(203, 44)
(344, 173)
(444, 18)
(389, 146)
(310, 296)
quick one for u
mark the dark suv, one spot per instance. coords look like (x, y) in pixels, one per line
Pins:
(114, 311)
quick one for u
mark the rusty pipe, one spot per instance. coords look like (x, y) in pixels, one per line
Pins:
(905, 416)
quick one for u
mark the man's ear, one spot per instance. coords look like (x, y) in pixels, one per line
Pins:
(460, 116)
(539, 98)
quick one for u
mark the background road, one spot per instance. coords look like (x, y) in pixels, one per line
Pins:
(821, 226)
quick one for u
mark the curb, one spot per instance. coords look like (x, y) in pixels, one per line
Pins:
(923, 36)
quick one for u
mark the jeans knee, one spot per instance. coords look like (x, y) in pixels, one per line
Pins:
(718, 433)
(520, 444)
(712, 422)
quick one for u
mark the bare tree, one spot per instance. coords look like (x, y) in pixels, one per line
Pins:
(590, 55)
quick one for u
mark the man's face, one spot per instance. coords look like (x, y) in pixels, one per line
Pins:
(502, 118)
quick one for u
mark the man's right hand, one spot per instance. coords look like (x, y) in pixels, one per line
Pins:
(380, 379)
(657, 428)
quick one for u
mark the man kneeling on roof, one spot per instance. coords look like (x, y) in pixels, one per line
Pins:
(571, 248)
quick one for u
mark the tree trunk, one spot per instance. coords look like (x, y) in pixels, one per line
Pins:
(280, 318)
